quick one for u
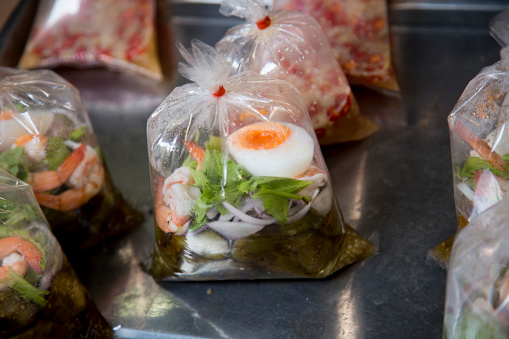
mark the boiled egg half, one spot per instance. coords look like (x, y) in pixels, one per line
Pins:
(272, 149)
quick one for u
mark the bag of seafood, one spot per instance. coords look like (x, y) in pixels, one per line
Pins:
(358, 32)
(477, 297)
(480, 141)
(40, 295)
(239, 185)
(47, 140)
(291, 46)
(119, 35)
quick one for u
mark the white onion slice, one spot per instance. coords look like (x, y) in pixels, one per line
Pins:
(234, 230)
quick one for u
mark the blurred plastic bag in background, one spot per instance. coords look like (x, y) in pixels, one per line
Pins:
(477, 297)
(479, 133)
(119, 35)
(47, 140)
(239, 185)
(40, 294)
(358, 32)
(291, 46)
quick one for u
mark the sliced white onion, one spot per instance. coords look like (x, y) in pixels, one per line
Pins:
(246, 218)
(234, 230)
(303, 211)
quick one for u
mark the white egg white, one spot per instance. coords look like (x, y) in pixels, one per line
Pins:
(11, 129)
(289, 159)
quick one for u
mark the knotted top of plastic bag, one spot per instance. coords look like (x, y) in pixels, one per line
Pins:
(251, 10)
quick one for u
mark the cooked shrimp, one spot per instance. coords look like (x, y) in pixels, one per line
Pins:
(196, 151)
(175, 200)
(82, 171)
(15, 253)
(480, 146)
(33, 145)
(314, 174)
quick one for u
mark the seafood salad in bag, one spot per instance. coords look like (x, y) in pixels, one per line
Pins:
(477, 296)
(47, 140)
(239, 185)
(291, 46)
(40, 294)
(480, 141)
(116, 34)
(358, 32)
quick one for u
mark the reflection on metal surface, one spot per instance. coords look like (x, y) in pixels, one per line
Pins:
(349, 317)
(358, 193)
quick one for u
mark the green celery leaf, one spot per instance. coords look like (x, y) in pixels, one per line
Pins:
(13, 161)
(275, 205)
(25, 289)
(56, 153)
(77, 134)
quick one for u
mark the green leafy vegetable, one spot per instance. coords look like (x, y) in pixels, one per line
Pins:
(77, 134)
(474, 164)
(13, 161)
(25, 289)
(218, 187)
(56, 153)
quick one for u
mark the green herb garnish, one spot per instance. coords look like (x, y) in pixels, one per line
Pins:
(218, 187)
(474, 164)
(56, 153)
(24, 288)
(14, 162)
(77, 134)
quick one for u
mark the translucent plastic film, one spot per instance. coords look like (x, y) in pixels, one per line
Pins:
(358, 32)
(477, 295)
(239, 184)
(47, 140)
(480, 142)
(40, 294)
(291, 46)
(116, 34)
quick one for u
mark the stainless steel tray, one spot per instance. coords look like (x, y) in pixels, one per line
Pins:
(396, 185)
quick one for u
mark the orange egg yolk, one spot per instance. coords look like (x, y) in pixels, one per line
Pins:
(260, 136)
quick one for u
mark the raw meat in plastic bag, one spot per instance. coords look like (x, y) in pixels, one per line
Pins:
(47, 140)
(239, 185)
(291, 46)
(40, 294)
(358, 32)
(477, 294)
(116, 34)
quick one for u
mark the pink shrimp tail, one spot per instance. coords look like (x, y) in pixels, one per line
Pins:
(196, 151)
(67, 201)
(480, 146)
(48, 180)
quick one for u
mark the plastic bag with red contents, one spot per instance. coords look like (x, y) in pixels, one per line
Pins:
(48, 141)
(239, 184)
(291, 46)
(118, 34)
(358, 32)
(40, 294)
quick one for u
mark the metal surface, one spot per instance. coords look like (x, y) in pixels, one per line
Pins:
(396, 185)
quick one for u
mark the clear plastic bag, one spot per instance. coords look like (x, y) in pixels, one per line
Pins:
(40, 294)
(47, 140)
(291, 46)
(239, 185)
(478, 128)
(358, 32)
(477, 294)
(119, 35)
